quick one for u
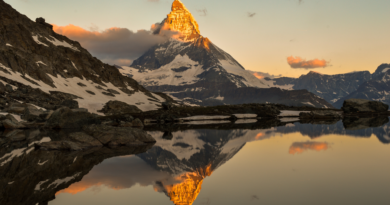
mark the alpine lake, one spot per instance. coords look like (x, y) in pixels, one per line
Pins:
(246, 162)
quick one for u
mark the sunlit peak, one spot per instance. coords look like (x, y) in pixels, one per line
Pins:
(180, 19)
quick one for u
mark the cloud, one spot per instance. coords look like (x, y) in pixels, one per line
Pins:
(203, 12)
(115, 45)
(298, 62)
(300, 147)
(261, 75)
(250, 15)
(300, 2)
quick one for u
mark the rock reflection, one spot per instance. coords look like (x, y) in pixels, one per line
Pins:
(33, 177)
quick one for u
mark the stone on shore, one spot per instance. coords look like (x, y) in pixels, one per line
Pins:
(361, 105)
(118, 107)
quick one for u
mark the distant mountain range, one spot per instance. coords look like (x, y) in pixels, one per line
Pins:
(337, 88)
(193, 70)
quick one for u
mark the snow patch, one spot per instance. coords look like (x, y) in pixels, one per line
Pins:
(206, 122)
(42, 163)
(245, 116)
(17, 117)
(165, 75)
(37, 40)
(250, 80)
(40, 62)
(291, 113)
(206, 117)
(57, 42)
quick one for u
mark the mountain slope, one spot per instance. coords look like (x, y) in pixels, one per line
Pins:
(193, 69)
(329, 87)
(376, 89)
(32, 55)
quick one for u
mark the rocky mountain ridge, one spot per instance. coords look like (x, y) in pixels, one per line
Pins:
(337, 88)
(33, 56)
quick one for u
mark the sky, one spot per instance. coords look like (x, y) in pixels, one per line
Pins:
(279, 37)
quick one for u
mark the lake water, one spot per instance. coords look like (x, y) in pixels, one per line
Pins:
(293, 164)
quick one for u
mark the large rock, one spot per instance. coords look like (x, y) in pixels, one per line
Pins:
(72, 104)
(8, 124)
(2, 88)
(16, 108)
(118, 107)
(167, 105)
(76, 141)
(86, 140)
(321, 114)
(361, 105)
(66, 118)
(31, 114)
(118, 136)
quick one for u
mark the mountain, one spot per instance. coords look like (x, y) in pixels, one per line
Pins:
(378, 88)
(329, 87)
(43, 67)
(191, 156)
(194, 70)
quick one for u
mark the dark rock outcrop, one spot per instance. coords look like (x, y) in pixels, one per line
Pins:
(67, 118)
(34, 58)
(118, 107)
(375, 89)
(362, 105)
(72, 104)
(321, 114)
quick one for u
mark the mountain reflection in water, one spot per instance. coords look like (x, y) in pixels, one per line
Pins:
(176, 166)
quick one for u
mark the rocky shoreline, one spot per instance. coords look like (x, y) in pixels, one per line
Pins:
(125, 125)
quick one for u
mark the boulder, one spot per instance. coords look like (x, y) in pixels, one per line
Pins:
(46, 115)
(42, 21)
(2, 88)
(72, 104)
(3, 103)
(8, 124)
(16, 108)
(85, 140)
(137, 123)
(66, 118)
(118, 136)
(11, 118)
(321, 114)
(9, 88)
(166, 105)
(31, 115)
(118, 107)
(361, 105)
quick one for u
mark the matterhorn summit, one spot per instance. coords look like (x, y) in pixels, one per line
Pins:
(192, 69)
(180, 19)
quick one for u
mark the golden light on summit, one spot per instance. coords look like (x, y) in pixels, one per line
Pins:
(186, 192)
(180, 19)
